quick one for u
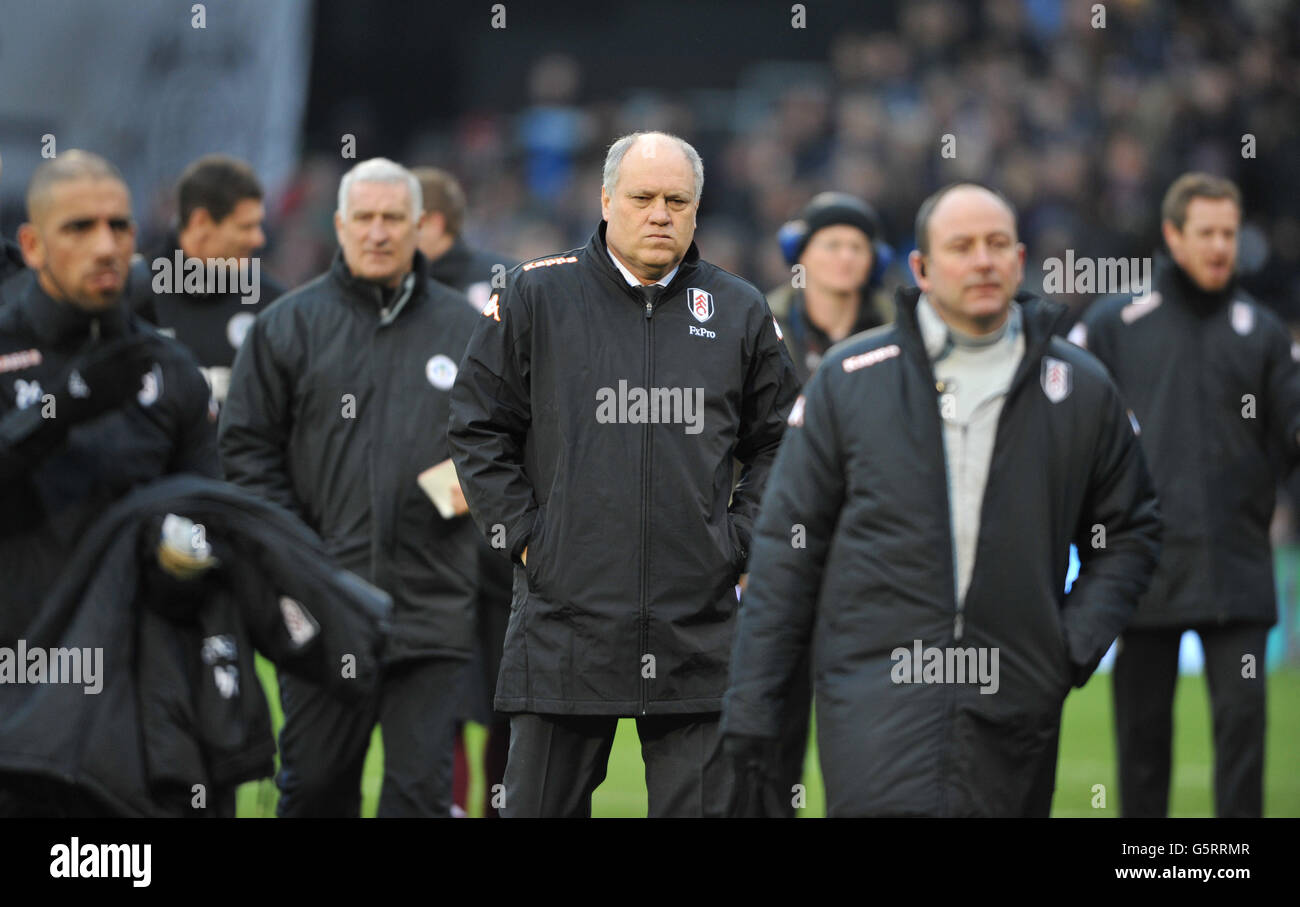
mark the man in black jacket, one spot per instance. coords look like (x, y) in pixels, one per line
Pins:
(338, 401)
(917, 532)
(594, 425)
(93, 401)
(1211, 378)
(205, 285)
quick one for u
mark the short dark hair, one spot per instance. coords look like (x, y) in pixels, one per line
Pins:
(926, 210)
(443, 194)
(70, 165)
(1195, 185)
(215, 183)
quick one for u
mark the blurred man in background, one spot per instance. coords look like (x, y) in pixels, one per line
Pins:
(93, 401)
(221, 213)
(1212, 380)
(921, 513)
(472, 272)
(619, 515)
(339, 399)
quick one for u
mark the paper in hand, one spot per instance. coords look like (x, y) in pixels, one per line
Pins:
(437, 482)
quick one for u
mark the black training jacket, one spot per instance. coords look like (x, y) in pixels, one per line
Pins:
(853, 555)
(1214, 386)
(177, 701)
(49, 495)
(336, 405)
(627, 603)
(11, 260)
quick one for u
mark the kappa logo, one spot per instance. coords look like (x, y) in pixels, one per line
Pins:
(796, 413)
(776, 324)
(1057, 379)
(700, 303)
(868, 359)
(12, 362)
(493, 308)
(441, 372)
(26, 393)
(548, 262)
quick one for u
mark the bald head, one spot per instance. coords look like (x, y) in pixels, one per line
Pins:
(67, 167)
(649, 200)
(650, 145)
(962, 195)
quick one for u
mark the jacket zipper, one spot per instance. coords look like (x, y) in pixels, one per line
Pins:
(646, 452)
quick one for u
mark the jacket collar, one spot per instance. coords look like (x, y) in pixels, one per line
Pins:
(1174, 281)
(1040, 320)
(58, 323)
(11, 257)
(383, 302)
(598, 253)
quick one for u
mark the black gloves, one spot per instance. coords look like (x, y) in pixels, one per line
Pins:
(757, 794)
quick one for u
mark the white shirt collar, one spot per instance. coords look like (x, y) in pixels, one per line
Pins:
(631, 278)
(937, 335)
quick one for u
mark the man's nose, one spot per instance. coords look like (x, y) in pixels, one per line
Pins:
(983, 256)
(659, 213)
(103, 242)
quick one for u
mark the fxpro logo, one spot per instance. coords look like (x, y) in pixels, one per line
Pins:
(953, 664)
(103, 861)
(655, 405)
(208, 276)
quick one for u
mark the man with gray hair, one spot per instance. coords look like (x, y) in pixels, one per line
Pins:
(339, 400)
(603, 400)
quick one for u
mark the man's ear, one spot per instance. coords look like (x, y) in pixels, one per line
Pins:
(1171, 234)
(604, 204)
(916, 262)
(29, 240)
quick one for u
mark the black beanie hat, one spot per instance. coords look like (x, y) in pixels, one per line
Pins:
(826, 210)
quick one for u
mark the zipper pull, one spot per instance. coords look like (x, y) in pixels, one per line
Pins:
(649, 308)
(94, 329)
(957, 626)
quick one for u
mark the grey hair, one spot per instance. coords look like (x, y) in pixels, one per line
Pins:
(381, 170)
(617, 151)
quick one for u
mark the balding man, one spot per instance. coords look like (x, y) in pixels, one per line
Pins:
(934, 475)
(594, 424)
(93, 401)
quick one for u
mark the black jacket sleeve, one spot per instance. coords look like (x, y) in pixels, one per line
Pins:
(196, 443)
(255, 421)
(792, 541)
(491, 411)
(1118, 540)
(1282, 408)
(770, 389)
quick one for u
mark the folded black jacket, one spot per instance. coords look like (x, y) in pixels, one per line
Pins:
(179, 703)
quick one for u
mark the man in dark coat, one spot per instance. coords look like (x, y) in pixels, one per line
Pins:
(338, 401)
(917, 532)
(1212, 380)
(594, 425)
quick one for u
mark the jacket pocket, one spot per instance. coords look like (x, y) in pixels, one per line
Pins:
(536, 553)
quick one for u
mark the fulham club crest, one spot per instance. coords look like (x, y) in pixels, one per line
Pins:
(701, 304)
(1057, 379)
